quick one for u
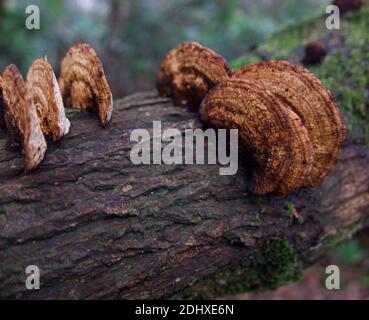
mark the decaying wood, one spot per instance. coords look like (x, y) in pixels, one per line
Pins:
(100, 227)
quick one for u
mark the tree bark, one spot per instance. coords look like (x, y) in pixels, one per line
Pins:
(99, 226)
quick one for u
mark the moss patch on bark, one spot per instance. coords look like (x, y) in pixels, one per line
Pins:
(274, 264)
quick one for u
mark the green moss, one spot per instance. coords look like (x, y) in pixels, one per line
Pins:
(346, 72)
(69, 112)
(279, 264)
(289, 206)
(274, 264)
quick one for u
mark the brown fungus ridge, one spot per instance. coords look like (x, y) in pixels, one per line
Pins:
(305, 94)
(263, 124)
(83, 83)
(189, 71)
(2, 107)
(303, 157)
(45, 93)
(22, 123)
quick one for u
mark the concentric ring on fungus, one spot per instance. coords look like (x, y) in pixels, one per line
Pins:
(46, 97)
(22, 124)
(266, 127)
(83, 83)
(189, 71)
(305, 94)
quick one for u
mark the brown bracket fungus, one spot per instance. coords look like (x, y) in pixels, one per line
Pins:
(44, 90)
(189, 71)
(83, 83)
(22, 123)
(302, 155)
(272, 133)
(305, 94)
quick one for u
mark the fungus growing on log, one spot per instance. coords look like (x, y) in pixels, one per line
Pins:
(189, 71)
(44, 90)
(2, 107)
(267, 129)
(83, 83)
(22, 123)
(305, 94)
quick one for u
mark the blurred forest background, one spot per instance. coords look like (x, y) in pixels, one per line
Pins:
(132, 36)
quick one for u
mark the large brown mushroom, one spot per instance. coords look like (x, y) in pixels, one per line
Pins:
(44, 90)
(305, 94)
(189, 71)
(272, 133)
(22, 123)
(83, 83)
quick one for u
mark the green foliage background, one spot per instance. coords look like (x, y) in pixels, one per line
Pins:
(132, 36)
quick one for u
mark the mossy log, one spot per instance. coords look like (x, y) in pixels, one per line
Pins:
(99, 226)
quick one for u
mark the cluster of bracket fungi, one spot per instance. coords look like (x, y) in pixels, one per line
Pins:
(33, 110)
(287, 120)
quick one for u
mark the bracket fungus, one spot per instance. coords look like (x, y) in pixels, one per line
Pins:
(44, 90)
(83, 83)
(189, 71)
(305, 94)
(268, 130)
(22, 123)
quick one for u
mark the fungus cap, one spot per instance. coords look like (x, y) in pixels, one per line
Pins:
(83, 83)
(189, 71)
(264, 127)
(45, 93)
(305, 94)
(21, 119)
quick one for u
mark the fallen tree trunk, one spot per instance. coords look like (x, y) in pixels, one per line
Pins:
(98, 226)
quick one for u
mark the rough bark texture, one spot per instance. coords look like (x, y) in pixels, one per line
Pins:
(100, 227)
